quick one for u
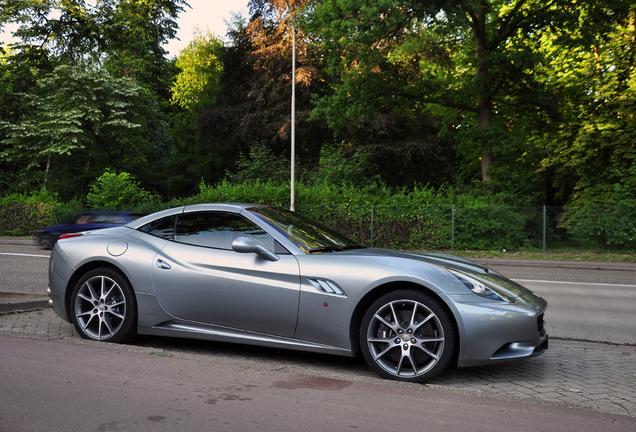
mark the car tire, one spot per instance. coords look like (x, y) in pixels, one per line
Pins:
(406, 335)
(103, 306)
(47, 242)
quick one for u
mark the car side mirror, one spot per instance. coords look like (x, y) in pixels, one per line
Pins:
(250, 245)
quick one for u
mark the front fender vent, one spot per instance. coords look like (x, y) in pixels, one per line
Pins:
(326, 286)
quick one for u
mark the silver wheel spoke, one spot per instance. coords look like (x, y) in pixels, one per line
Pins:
(111, 306)
(115, 314)
(108, 325)
(85, 298)
(429, 353)
(105, 296)
(413, 314)
(398, 369)
(407, 355)
(390, 342)
(91, 291)
(385, 322)
(90, 318)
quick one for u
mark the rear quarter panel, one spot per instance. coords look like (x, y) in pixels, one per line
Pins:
(133, 256)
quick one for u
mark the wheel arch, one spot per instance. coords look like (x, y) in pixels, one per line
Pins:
(379, 291)
(79, 273)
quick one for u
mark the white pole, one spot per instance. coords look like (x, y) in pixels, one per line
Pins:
(292, 206)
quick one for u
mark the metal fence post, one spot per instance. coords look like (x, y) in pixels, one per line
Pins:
(372, 225)
(453, 229)
(544, 227)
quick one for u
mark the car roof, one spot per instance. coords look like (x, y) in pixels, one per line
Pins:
(111, 212)
(228, 207)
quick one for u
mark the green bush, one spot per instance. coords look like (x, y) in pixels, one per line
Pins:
(117, 192)
(22, 215)
(609, 227)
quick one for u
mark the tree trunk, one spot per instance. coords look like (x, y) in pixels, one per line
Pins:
(46, 172)
(484, 98)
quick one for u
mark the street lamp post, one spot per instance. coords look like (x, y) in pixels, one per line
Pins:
(292, 206)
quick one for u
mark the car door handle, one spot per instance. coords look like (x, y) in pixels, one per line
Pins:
(163, 265)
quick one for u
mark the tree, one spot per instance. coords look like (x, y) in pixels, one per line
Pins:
(77, 109)
(126, 36)
(468, 60)
(120, 38)
(134, 32)
(67, 29)
(19, 73)
(254, 104)
(196, 87)
(592, 150)
(194, 91)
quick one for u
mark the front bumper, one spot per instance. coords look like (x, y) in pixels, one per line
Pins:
(493, 332)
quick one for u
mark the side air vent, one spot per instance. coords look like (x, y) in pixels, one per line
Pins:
(326, 286)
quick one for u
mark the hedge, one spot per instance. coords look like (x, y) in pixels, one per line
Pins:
(420, 219)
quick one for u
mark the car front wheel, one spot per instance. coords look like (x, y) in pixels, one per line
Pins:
(104, 306)
(407, 336)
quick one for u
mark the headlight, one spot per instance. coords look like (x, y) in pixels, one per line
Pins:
(480, 288)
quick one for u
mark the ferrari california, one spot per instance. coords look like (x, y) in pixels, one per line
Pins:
(270, 277)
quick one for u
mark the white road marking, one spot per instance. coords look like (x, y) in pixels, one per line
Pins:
(573, 283)
(26, 255)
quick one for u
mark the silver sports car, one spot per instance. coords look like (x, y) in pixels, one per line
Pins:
(267, 276)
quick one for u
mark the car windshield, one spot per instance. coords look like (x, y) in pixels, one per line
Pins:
(308, 235)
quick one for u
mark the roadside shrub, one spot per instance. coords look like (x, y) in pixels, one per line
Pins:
(22, 215)
(117, 192)
(608, 227)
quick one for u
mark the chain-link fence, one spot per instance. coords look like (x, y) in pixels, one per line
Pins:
(484, 227)
(23, 219)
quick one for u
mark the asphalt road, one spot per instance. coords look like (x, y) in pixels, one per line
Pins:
(87, 388)
(23, 268)
(565, 271)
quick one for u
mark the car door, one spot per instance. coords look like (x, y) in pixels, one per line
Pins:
(198, 277)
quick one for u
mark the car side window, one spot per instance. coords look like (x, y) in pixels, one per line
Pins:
(218, 230)
(106, 218)
(163, 228)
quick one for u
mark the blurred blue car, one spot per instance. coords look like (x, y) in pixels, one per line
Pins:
(86, 221)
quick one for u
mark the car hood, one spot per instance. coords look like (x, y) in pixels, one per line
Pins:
(464, 265)
(438, 259)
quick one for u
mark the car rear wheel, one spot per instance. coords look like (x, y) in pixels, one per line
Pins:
(46, 242)
(104, 306)
(407, 336)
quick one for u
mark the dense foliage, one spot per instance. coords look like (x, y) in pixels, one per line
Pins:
(529, 101)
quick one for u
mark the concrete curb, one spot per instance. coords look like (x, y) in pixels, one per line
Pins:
(588, 265)
(16, 302)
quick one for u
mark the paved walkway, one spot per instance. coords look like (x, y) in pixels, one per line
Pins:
(585, 375)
